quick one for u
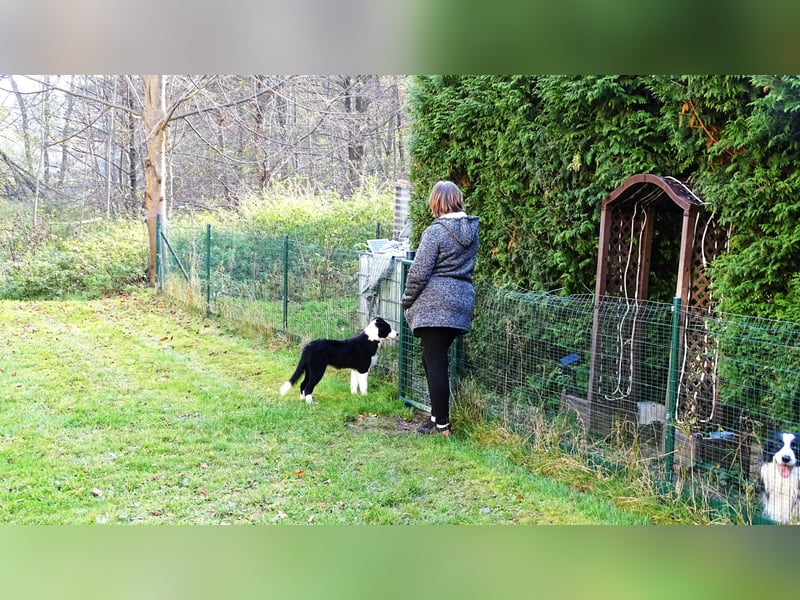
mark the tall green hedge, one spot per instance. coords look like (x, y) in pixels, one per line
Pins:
(536, 156)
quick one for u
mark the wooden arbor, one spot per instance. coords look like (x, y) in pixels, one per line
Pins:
(639, 253)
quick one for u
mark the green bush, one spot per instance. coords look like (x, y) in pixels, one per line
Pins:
(321, 218)
(87, 265)
(537, 155)
(324, 230)
(759, 368)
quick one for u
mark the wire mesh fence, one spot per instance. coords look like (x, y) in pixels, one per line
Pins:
(271, 282)
(684, 395)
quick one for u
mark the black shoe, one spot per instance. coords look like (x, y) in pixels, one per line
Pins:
(426, 426)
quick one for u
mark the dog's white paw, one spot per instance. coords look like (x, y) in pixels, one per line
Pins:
(287, 385)
(309, 400)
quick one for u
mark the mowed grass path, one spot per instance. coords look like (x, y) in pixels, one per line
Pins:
(131, 410)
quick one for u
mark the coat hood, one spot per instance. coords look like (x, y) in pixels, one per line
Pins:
(464, 229)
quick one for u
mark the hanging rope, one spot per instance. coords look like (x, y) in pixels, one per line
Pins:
(618, 393)
(686, 339)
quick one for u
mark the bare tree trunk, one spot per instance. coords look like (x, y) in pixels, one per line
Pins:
(26, 135)
(154, 123)
(132, 155)
(223, 176)
(109, 148)
(264, 170)
(355, 104)
(398, 149)
(44, 163)
(46, 119)
(67, 119)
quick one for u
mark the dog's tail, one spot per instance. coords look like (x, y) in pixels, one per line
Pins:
(301, 366)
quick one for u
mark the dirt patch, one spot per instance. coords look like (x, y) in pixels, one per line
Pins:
(383, 424)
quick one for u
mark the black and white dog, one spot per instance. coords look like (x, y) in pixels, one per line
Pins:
(358, 354)
(780, 477)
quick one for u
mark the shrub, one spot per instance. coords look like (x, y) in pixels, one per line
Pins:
(322, 218)
(87, 265)
(537, 155)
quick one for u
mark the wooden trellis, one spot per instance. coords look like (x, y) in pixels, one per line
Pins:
(629, 226)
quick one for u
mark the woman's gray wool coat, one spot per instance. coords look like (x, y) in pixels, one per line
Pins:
(439, 290)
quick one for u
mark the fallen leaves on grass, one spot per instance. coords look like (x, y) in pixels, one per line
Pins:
(279, 516)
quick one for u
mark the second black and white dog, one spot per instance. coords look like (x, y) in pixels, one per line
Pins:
(780, 478)
(357, 353)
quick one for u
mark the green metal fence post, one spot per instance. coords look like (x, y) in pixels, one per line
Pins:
(403, 338)
(286, 283)
(159, 257)
(672, 389)
(208, 270)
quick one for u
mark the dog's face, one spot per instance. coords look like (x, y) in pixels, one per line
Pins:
(782, 449)
(378, 330)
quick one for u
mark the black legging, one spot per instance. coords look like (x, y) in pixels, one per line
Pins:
(436, 342)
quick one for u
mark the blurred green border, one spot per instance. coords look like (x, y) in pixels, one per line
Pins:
(462, 562)
(403, 37)
(613, 36)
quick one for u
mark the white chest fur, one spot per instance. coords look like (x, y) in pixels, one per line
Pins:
(781, 497)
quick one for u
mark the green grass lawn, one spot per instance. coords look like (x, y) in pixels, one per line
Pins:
(132, 410)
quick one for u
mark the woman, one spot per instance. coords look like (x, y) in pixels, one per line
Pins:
(439, 296)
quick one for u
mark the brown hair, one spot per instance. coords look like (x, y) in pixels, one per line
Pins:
(445, 198)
